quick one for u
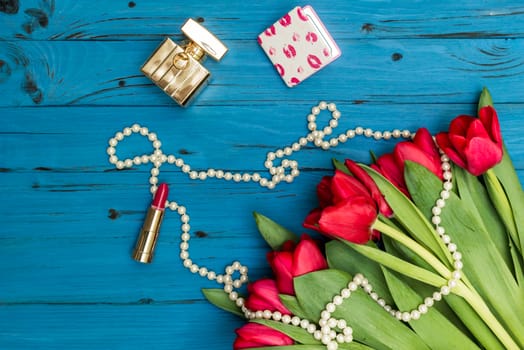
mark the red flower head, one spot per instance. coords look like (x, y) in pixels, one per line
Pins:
(255, 335)
(474, 144)
(421, 150)
(263, 295)
(295, 261)
(349, 205)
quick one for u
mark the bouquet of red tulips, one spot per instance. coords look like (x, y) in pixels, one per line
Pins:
(424, 251)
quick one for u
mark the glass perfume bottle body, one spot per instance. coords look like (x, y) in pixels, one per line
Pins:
(176, 71)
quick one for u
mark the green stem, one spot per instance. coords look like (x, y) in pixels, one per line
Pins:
(470, 295)
(414, 246)
(480, 307)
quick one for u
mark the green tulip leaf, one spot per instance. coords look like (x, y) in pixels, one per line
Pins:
(422, 289)
(351, 346)
(410, 217)
(340, 166)
(220, 299)
(506, 174)
(485, 99)
(292, 304)
(483, 265)
(274, 234)
(475, 196)
(342, 257)
(434, 328)
(371, 324)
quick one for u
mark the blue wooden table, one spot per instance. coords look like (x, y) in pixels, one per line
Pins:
(69, 79)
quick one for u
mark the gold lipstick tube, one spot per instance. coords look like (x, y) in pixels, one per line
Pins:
(145, 245)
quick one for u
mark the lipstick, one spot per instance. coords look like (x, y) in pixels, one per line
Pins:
(145, 245)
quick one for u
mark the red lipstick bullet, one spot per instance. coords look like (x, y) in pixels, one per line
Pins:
(145, 245)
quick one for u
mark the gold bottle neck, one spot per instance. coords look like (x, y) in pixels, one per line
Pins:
(194, 51)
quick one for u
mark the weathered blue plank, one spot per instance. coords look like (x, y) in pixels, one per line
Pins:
(69, 79)
(241, 20)
(107, 326)
(378, 71)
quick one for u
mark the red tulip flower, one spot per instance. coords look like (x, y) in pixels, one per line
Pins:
(255, 335)
(263, 295)
(421, 150)
(295, 261)
(349, 206)
(474, 144)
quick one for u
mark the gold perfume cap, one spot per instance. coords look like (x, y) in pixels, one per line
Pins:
(204, 39)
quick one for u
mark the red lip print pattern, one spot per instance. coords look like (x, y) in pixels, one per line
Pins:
(285, 21)
(289, 51)
(301, 14)
(294, 81)
(298, 45)
(270, 31)
(280, 69)
(314, 61)
(311, 37)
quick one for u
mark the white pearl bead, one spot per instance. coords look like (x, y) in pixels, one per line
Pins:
(322, 105)
(311, 328)
(295, 320)
(277, 316)
(332, 107)
(304, 323)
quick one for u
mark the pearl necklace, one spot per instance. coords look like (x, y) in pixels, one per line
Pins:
(330, 331)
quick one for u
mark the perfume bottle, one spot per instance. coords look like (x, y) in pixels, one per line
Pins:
(178, 69)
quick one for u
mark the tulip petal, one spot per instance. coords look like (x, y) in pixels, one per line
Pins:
(424, 141)
(307, 258)
(324, 194)
(263, 295)
(350, 220)
(476, 129)
(282, 266)
(344, 186)
(256, 335)
(409, 151)
(372, 187)
(488, 117)
(482, 154)
(311, 220)
(387, 166)
(460, 124)
(444, 143)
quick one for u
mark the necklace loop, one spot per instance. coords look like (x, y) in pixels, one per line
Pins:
(330, 331)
